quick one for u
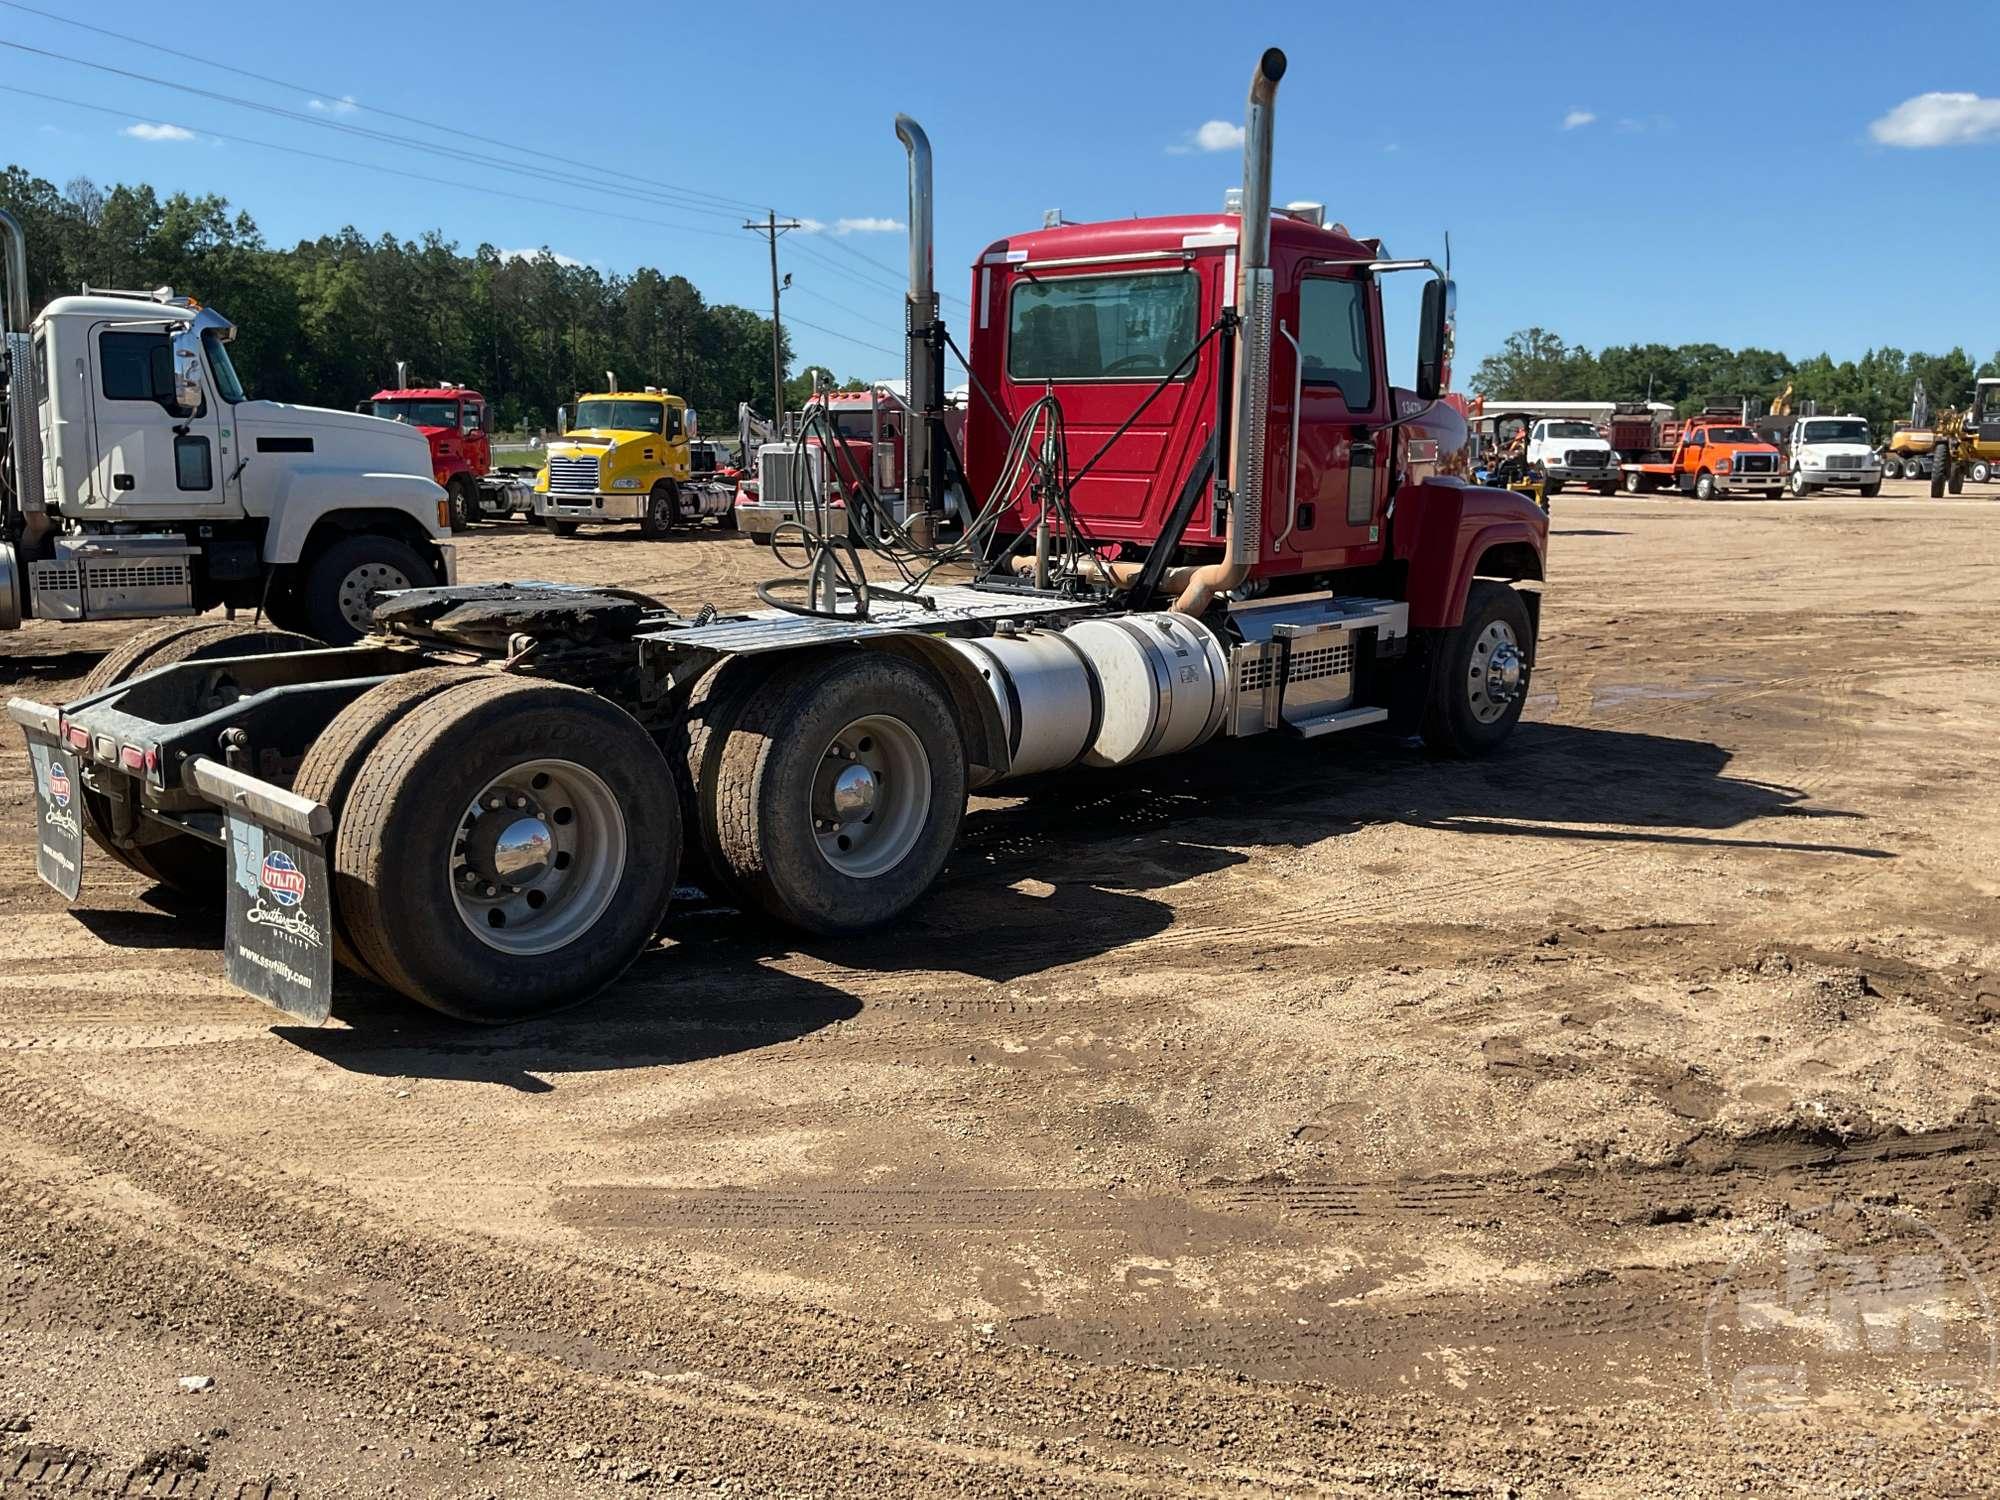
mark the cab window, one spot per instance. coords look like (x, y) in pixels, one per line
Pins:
(136, 367)
(673, 422)
(1333, 339)
(1138, 326)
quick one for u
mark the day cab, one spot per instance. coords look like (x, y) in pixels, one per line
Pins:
(623, 456)
(458, 425)
(1833, 453)
(1361, 487)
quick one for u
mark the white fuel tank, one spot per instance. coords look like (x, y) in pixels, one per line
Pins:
(1164, 683)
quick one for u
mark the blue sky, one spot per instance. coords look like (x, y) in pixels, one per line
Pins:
(1599, 176)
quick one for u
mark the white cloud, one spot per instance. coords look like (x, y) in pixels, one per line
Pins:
(538, 252)
(344, 105)
(1937, 119)
(1214, 135)
(868, 226)
(1576, 119)
(144, 132)
(812, 226)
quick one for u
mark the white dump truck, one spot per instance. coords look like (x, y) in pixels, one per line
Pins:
(138, 479)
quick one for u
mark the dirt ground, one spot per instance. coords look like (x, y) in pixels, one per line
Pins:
(1617, 1116)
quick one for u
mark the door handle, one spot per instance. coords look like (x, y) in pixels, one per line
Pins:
(1292, 468)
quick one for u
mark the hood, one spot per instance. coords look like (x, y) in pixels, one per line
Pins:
(601, 437)
(372, 442)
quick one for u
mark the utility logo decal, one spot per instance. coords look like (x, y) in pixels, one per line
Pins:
(58, 783)
(284, 880)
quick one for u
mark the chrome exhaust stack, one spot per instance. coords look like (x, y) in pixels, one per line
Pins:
(1253, 360)
(923, 357)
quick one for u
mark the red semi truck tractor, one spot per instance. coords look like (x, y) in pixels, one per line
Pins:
(1198, 510)
(458, 424)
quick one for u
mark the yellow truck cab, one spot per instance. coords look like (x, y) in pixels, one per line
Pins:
(623, 456)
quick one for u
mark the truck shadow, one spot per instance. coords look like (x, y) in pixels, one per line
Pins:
(1060, 872)
(677, 1004)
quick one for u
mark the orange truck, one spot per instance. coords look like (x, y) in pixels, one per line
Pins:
(1710, 455)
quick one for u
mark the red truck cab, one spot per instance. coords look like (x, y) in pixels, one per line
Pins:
(457, 423)
(1365, 486)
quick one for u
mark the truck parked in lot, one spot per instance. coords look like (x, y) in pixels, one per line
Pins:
(458, 425)
(1567, 451)
(624, 456)
(1824, 453)
(1202, 511)
(855, 441)
(1710, 455)
(138, 478)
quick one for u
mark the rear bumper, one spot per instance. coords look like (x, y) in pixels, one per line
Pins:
(620, 507)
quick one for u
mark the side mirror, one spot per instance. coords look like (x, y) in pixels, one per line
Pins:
(486, 419)
(562, 419)
(1434, 340)
(187, 373)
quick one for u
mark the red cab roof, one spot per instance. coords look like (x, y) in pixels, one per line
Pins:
(1178, 231)
(427, 393)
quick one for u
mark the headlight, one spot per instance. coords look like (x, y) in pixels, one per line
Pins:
(1722, 466)
(624, 484)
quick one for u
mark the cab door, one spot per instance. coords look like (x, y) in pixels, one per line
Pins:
(1340, 464)
(147, 454)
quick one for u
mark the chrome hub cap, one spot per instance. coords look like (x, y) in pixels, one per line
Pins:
(1499, 671)
(538, 857)
(871, 794)
(359, 588)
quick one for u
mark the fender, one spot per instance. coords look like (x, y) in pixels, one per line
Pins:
(1442, 530)
(303, 495)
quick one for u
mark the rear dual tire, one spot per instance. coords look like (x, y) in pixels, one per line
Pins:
(837, 793)
(180, 861)
(506, 848)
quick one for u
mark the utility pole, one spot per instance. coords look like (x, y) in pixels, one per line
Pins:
(771, 228)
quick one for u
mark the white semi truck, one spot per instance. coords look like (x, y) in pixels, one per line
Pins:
(137, 478)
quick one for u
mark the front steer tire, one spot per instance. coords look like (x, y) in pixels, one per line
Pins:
(1461, 717)
(334, 589)
(181, 861)
(771, 779)
(663, 508)
(409, 820)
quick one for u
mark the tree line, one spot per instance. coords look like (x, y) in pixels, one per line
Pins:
(324, 322)
(1537, 365)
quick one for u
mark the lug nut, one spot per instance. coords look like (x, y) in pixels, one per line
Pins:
(518, 801)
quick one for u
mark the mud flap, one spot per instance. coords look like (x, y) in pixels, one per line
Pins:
(59, 815)
(277, 938)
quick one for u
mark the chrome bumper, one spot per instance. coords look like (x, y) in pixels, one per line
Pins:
(627, 506)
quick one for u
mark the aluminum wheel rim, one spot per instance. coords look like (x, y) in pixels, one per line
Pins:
(537, 857)
(1498, 674)
(358, 588)
(870, 795)
(662, 504)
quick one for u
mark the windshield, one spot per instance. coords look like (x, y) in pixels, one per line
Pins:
(1727, 435)
(1836, 432)
(853, 425)
(1571, 430)
(227, 385)
(418, 412)
(624, 416)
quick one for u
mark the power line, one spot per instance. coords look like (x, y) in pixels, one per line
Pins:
(854, 312)
(846, 337)
(368, 166)
(733, 204)
(380, 136)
